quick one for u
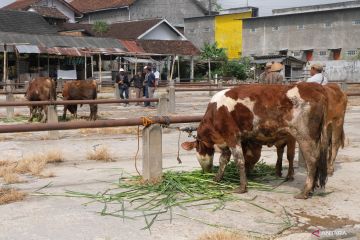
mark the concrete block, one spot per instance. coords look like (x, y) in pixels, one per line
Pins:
(9, 98)
(172, 98)
(152, 152)
(52, 118)
(344, 86)
(163, 104)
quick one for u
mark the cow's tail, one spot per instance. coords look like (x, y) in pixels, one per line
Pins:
(342, 137)
(324, 142)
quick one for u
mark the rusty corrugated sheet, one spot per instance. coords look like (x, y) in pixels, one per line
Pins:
(132, 46)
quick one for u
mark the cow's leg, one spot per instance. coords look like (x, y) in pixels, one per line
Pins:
(310, 155)
(64, 113)
(291, 144)
(31, 108)
(224, 160)
(280, 153)
(239, 157)
(252, 154)
(93, 112)
(337, 140)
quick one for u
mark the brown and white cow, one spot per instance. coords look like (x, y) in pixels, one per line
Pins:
(80, 90)
(265, 113)
(40, 89)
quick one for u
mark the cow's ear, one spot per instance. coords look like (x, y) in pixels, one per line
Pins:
(189, 145)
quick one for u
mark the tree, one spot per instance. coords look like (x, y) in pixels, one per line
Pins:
(100, 27)
(211, 52)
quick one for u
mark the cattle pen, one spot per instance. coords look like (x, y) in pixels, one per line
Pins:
(288, 217)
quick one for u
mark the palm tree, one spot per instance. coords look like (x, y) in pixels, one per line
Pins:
(211, 52)
(100, 27)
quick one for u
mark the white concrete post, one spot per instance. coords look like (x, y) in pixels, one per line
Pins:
(344, 86)
(192, 69)
(9, 98)
(172, 100)
(117, 91)
(52, 118)
(211, 93)
(152, 152)
(163, 104)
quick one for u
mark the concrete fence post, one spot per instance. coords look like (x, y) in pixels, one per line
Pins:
(344, 86)
(52, 117)
(9, 98)
(211, 92)
(117, 91)
(26, 85)
(172, 103)
(152, 152)
(163, 104)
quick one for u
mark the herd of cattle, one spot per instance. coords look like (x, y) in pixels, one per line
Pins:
(240, 120)
(44, 89)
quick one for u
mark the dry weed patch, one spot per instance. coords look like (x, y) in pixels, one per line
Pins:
(100, 154)
(223, 235)
(110, 131)
(10, 196)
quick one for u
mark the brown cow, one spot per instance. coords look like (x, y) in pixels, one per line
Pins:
(265, 113)
(40, 89)
(80, 90)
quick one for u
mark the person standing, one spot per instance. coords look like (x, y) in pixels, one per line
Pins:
(151, 85)
(275, 77)
(123, 81)
(265, 73)
(138, 85)
(317, 74)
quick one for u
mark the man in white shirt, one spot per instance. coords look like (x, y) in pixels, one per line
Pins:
(157, 76)
(317, 74)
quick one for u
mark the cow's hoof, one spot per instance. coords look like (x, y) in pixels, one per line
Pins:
(217, 178)
(240, 190)
(289, 179)
(301, 196)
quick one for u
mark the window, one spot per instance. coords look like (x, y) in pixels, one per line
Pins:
(207, 30)
(356, 22)
(191, 30)
(296, 54)
(300, 27)
(253, 30)
(351, 53)
(276, 28)
(328, 25)
(323, 53)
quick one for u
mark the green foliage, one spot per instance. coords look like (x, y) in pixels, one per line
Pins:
(100, 27)
(213, 53)
(239, 69)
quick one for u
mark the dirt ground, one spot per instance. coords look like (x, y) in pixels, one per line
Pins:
(334, 211)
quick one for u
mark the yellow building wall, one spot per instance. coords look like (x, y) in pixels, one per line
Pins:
(228, 33)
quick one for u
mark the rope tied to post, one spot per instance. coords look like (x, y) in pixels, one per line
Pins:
(146, 121)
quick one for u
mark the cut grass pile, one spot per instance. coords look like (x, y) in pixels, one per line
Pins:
(223, 235)
(132, 196)
(110, 131)
(10, 195)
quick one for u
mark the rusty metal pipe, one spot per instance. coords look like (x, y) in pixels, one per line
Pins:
(198, 89)
(15, 128)
(74, 102)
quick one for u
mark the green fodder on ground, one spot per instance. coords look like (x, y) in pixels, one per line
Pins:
(177, 189)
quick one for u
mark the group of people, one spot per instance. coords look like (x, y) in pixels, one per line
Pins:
(272, 74)
(144, 83)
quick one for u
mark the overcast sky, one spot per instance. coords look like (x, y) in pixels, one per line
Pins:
(265, 6)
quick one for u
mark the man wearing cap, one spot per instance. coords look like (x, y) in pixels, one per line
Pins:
(274, 77)
(265, 73)
(123, 81)
(317, 74)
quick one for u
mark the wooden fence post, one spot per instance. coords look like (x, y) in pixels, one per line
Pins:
(152, 152)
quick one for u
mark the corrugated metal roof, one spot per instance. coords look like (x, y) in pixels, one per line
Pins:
(27, 49)
(50, 41)
(140, 60)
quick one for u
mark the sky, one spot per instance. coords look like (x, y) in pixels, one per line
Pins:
(265, 6)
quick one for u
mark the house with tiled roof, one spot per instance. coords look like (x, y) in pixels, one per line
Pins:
(156, 36)
(54, 11)
(124, 10)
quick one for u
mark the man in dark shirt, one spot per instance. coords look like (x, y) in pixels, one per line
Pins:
(123, 81)
(138, 85)
(151, 85)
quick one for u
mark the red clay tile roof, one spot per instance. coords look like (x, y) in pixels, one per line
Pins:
(123, 30)
(169, 47)
(49, 12)
(87, 6)
(21, 5)
(132, 46)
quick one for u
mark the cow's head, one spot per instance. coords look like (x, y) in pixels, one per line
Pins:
(204, 153)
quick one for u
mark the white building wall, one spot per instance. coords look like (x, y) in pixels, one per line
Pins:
(162, 32)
